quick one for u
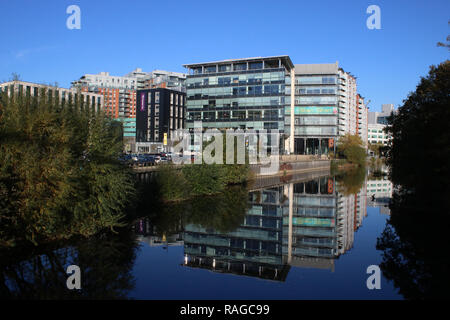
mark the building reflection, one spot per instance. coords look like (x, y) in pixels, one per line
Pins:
(308, 225)
(253, 249)
(319, 222)
(379, 194)
(147, 233)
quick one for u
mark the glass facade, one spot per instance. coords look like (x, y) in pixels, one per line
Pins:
(245, 94)
(315, 113)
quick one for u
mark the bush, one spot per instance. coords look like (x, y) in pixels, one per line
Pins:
(59, 170)
(204, 178)
(351, 147)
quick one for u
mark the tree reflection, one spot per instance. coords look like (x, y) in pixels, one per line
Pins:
(351, 181)
(105, 261)
(223, 213)
(415, 243)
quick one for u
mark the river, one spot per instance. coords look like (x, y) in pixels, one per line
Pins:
(304, 239)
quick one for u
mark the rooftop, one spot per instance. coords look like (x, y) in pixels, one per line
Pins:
(285, 58)
(318, 68)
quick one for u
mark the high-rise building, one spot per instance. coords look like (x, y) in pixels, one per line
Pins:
(259, 93)
(70, 96)
(327, 106)
(239, 94)
(362, 119)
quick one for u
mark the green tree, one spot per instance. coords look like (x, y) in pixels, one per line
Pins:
(420, 149)
(59, 170)
(351, 147)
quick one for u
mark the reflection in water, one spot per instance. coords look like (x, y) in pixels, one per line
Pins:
(105, 261)
(415, 242)
(302, 223)
(379, 193)
(306, 224)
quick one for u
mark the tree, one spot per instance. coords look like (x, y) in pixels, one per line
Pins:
(351, 147)
(14, 77)
(59, 170)
(420, 148)
(445, 45)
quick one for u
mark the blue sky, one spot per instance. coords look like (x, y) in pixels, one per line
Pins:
(118, 36)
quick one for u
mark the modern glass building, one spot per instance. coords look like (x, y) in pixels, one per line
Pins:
(238, 94)
(316, 108)
(326, 106)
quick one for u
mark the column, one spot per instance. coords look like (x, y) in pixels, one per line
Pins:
(291, 139)
(291, 211)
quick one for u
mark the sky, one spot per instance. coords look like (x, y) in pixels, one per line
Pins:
(119, 36)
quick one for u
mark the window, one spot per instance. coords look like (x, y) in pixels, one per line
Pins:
(240, 66)
(225, 68)
(210, 69)
(255, 65)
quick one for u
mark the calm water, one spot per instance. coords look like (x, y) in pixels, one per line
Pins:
(299, 240)
(325, 255)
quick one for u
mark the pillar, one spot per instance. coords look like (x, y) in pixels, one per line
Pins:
(291, 139)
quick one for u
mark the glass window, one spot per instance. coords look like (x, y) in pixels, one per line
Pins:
(240, 66)
(210, 69)
(224, 67)
(255, 65)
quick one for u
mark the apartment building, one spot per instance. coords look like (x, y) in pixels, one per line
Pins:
(161, 111)
(159, 79)
(69, 96)
(120, 93)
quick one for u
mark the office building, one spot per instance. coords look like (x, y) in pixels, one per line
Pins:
(327, 106)
(239, 94)
(69, 96)
(377, 135)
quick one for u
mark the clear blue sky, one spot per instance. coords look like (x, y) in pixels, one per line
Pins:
(118, 36)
